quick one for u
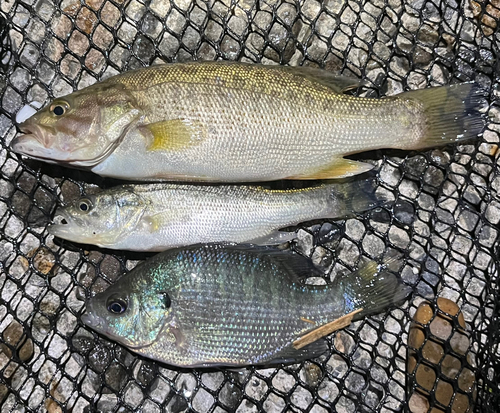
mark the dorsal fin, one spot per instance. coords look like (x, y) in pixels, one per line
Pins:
(337, 83)
(295, 265)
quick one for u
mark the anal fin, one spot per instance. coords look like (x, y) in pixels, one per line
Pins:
(292, 355)
(339, 168)
(275, 238)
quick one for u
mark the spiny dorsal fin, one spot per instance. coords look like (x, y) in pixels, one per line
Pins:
(337, 83)
(297, 266)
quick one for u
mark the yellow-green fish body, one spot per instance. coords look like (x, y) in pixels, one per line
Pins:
(233, 122)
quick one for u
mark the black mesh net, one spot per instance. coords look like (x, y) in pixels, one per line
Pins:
(444, 221)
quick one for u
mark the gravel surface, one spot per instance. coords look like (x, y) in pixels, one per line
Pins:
(443, 218)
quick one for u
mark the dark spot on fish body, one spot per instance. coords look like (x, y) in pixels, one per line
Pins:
(165, 298)
(219, 81)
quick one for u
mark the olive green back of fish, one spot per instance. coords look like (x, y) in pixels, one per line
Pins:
(237, 122)
(301, 84)
(234, 122)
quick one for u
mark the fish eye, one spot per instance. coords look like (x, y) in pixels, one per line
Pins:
(84, 205)
(59, 109)
(116, 305)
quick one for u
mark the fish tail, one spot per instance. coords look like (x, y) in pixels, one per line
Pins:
(372, 288)
(353, 197)
(451, 114)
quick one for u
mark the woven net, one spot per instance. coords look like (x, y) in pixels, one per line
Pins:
(444, 221)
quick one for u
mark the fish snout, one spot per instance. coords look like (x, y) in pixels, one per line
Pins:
(61, 226)
(32, 140)
(20, 144)
(90, 319)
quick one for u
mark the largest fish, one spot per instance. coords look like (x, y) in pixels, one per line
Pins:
(233, 122)
(219, 305)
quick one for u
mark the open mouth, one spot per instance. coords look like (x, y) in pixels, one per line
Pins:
(59, 230)
(28, 130)
(61, 227)
(27, 145)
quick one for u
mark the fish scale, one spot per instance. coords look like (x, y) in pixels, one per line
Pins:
(222, 122)
(158, 216)
(229, 305)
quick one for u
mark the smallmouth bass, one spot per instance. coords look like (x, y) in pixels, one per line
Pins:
(236, 122)
(220, 305)
(156, 217)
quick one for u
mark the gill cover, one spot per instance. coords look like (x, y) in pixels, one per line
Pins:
(103, 219)
(141, 322)
(80, 129)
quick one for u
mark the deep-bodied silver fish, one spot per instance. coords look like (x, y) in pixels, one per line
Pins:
(156, 217)
(218, 305)
(235, 122)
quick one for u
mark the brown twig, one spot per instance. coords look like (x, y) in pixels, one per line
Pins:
(325, 329)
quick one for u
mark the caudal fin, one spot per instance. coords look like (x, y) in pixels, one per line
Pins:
(451, 113)
(373, 289)
(353, 197)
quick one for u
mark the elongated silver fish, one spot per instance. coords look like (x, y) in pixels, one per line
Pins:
(218, 305)
(155, 217)
(235, 122)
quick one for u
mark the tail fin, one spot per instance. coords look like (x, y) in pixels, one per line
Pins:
(451, 113)
(353, 197)
(373, 289)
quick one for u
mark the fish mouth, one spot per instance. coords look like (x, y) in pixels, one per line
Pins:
(73, 229)
(60, 231)
(62, 228)
(91, 320)
(31, 143)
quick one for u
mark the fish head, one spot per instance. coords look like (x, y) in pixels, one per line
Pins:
(104, 219)
(80, 129)
(133, 317)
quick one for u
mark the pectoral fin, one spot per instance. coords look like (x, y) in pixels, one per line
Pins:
(180, 339)
(154, 223)
(175, 134)
(339, 168)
